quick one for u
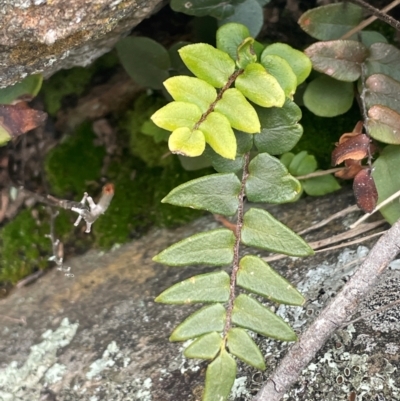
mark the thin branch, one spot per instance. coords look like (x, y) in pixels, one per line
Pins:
(341, 308)
(379, 14)
(369, 20)
(378, 207)
(239, 226)
(321, 172)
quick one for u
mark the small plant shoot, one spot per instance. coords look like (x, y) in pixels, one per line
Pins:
(240, 99)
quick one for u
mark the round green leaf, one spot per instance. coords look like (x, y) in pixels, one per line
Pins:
(223, 165)
(176, 115)
(280, 130)
(286, 159)
(191, 90)
(261, 230)
(205, 347)
(331, 21)
(250, 314)
(248, 13)
(211, 247)
(340, 59)
(281, 70)
(207, 319)
(145, 60)
(29, 86)
(220, 376)
(208, 63)
(201, 8)
(384, 124)
(177, 64)
(219, 135)
(230, 36)
(260, 87)
(246, 53)
(318, 186)
(257, 276)
(383, 90)
(300, 63)
(269, 181)
(209, 287)
(242, 346)
(386, 175)
(327, 97)
(383, 59)
(186, 142)
(239, 112)
(216, 193)
(303, 164)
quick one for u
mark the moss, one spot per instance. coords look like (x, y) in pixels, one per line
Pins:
(141, 145)
(75, 163)
(24, 247)
(73, 82)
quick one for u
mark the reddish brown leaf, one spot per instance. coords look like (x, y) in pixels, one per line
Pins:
(355, 148)
(365, 191)
(353, 167)
(20, 118)
(357, 130)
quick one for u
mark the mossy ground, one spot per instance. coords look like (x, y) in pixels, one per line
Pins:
(142, 172)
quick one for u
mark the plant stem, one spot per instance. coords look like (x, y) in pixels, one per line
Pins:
(228, 84)
(239, 225)
(320, 173)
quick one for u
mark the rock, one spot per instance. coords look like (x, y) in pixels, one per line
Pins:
(99, 335)
(43, 36)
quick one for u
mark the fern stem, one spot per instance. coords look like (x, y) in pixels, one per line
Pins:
(239, 225)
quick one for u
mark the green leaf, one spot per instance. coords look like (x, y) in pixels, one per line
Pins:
(191, 90)
(246, 53)
(383, 59)
(176, 115)
(207, 319)
(158, 134)
(220, 376)
(219, 135)
(29, 87)
(261, 230)
(286, 159)
(230, 36)
(280, 130)
(209, 287)
(327, 97)
(383, 90)
(302, 164)
(239, 112)
(257, 276)
(281, 70)
(340, 59)
(154, 63)
(250, 314)
(213, 247)
(242, 346)
(318, 186)
(331, 21)
(186, 142)
(248, 13)
(386, 175)
(205, 347)
(368, 38)
(216, 193)
(384, 124)
(194, 163)
(260, 87)
(208, 63)
(201, 8)
(4, 136)
(269, 181)
(300, 64)
(223, 165)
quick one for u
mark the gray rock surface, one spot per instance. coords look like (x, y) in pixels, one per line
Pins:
(99, 335)
(44, 36)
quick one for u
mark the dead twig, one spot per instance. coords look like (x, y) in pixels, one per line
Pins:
(332, 317)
